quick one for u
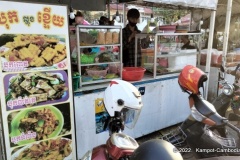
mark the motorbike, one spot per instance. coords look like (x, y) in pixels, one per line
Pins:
(196, 133)
(122, 102)
(119, 146)
(222, 102)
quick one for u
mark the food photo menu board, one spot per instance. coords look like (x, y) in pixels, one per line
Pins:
(36, 84)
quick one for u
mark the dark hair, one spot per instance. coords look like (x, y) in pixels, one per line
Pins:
(79, 14)
(133, 13)
(185, 36)
(103, 20)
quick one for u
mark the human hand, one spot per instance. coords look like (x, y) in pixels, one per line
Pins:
(235, 98)
(132, 36)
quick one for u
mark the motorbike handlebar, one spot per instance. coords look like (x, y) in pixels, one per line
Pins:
(234, 128)
(235, 72)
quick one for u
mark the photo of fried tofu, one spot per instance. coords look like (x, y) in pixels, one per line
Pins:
(48, 54)
(60, 47)
(38, 62)
(59, 58)
(24, 53)
(12, 55)
(38, 50)
(34, 49)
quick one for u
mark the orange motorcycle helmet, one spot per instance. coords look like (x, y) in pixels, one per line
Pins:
(191, 79)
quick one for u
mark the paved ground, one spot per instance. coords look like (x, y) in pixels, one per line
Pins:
(159, 134)
(186, 156)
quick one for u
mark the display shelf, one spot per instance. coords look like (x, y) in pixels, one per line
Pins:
(93, 64)
(95, 37)
(99, 45)
(176, 54)
(98, 81)
(164, 55)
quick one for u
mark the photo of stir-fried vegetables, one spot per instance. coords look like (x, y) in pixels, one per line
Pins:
(36, 86)
(57, 149)
(43, 123)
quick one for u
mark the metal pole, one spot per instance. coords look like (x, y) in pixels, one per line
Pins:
(108, 9)
(2, 146)
(209, 50)
(226, 32)
(124, 14)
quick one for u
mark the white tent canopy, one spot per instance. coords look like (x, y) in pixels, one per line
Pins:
(207, 4)
(178, 4)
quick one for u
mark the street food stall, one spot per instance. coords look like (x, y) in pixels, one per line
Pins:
(158, 92)
(164, 102)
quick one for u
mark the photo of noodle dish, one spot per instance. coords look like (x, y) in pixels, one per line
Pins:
(58, 149)
(35, 50)
(35, 88)
(36, 124)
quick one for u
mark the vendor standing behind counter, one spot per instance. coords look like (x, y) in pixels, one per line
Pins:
(186, 43)
(128, 34)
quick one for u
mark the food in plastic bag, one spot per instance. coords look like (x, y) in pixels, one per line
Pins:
(163, 62)
(101, 38)
(108, 38)
(214, 59)
(105, 57)
(114, 68)
(86, 39)
(115, 37)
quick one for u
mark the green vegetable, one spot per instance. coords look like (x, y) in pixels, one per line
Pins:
(93, 32)
(8, 96)
(40, 123)
(56, 81)
(33, 81)
(110, 76)
(38, 129)
(96, 77)
(13, 80)
(75, 74)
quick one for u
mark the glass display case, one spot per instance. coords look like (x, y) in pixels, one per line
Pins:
(99, 53)
(167, 53)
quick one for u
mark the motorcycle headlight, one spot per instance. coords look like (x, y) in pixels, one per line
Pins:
(87, 156)
(228, 89)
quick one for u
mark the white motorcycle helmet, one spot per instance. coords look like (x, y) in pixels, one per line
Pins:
(122, 96)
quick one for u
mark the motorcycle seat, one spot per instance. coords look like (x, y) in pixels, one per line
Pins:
(207, 109)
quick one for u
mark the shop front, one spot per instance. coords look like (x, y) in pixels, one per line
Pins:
(164, 102)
